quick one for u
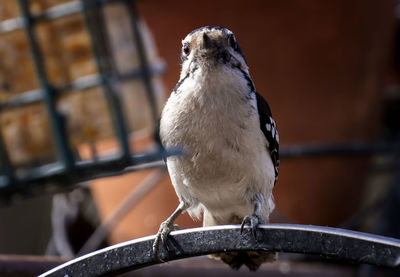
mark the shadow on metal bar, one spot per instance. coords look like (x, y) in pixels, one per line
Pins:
(324, 241)
(88, 170)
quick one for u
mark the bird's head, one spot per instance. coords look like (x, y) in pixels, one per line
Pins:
(209, 47)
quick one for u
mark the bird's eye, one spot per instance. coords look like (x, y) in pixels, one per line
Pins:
(186, 49)
(232, 41)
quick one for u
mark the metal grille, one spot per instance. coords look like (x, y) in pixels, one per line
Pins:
(68, 168)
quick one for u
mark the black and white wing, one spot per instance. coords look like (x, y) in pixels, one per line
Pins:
(268, 127)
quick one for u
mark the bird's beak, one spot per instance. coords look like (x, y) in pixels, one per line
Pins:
(212, 49)
(207, 42)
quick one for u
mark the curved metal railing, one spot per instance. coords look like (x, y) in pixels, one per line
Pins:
(306, 239)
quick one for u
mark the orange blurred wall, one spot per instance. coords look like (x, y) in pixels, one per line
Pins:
(319, 64)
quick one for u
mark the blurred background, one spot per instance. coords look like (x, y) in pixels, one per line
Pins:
(83, 82)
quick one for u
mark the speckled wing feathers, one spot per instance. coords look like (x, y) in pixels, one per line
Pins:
(268, 127)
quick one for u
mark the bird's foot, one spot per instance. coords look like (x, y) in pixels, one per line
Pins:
(161, 238)
(254, 220)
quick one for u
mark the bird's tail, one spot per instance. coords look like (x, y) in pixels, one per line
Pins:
(251, 259)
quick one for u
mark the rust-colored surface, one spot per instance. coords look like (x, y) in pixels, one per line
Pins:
(320, 66)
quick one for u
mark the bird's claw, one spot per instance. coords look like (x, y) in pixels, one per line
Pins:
(162, 237)
(253, 220)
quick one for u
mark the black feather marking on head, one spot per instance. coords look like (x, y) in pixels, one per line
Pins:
(235, 45)
(175, 90)
(238, 50)
(224, 57)
(183, 58)
(193, 70)
(250, 83)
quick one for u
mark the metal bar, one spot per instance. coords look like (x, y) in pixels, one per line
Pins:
(82, 83)
(59, 11)
(113, 166)
(55, 12)
(86, 170)
(154, 70)
(56, 120)
(144, 64)
(85, 82)
(104, 68)
(340, 149)
(324, 241)
(11, 24)
(24, 98)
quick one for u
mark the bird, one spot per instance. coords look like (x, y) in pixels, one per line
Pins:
(230, 140)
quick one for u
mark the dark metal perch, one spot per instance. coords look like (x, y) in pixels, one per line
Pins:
(324, 241)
